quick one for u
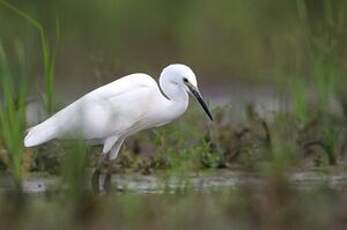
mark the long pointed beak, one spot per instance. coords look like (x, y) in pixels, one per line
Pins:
(199, 98)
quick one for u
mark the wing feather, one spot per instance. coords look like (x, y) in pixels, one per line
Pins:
(104, 112)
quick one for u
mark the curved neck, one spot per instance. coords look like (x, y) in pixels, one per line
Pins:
(172, 91)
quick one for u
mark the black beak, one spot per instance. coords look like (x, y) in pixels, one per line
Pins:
(199, 98)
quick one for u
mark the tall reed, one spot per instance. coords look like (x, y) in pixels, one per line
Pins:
(48, 53)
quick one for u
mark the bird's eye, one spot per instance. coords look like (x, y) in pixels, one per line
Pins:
(185, 80)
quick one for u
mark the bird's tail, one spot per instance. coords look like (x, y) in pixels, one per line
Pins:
(40, 134)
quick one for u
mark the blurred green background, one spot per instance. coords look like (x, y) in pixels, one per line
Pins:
(224, 41)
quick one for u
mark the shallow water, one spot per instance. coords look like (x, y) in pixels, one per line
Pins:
(202, 182)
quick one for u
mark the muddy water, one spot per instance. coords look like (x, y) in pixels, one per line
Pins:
(205, 182)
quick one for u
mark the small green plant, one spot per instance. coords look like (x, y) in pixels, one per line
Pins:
(12, 117)
(330, 136)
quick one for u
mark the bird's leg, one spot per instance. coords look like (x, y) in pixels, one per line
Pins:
(108, 176)
(114, 152)
(104, 181)
(95, 180)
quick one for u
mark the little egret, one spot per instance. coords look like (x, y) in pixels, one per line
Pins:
(109, 114)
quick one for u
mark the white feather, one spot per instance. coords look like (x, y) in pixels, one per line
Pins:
(98, 114)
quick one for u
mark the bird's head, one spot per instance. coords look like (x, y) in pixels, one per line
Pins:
(183, 77)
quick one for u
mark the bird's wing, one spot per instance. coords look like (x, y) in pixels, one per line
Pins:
(109, 110)
(123, 85)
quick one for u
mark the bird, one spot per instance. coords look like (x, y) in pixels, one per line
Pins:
(111, 113)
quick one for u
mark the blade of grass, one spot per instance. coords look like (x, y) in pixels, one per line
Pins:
(48, 58)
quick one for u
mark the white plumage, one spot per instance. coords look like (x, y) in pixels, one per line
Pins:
(109, 114)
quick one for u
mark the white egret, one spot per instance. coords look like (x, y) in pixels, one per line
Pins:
(111, 113)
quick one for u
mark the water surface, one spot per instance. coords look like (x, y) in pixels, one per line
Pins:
(202, 182)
